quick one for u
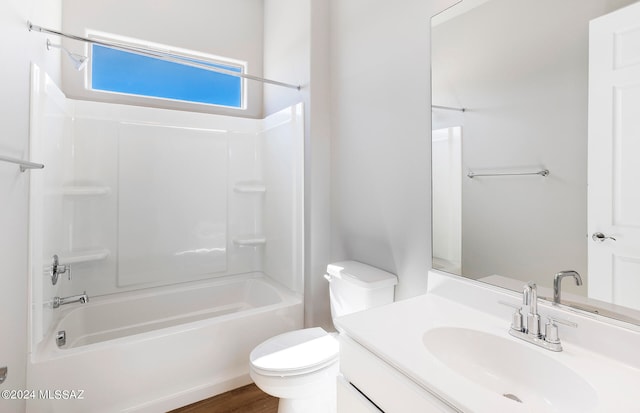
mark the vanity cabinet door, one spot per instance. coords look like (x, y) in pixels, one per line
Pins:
(388, 388)
(351, 400)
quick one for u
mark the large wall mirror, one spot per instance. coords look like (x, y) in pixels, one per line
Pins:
(536, 147)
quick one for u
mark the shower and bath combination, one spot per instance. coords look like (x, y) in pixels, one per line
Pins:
(216, 269)
(219, 274)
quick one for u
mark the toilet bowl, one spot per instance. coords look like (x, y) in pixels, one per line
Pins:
(300, 367)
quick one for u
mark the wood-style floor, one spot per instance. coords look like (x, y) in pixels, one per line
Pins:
(247, 399)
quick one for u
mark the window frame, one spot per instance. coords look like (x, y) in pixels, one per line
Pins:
(189, 54)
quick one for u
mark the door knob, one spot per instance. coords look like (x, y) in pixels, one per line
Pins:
(600, 237)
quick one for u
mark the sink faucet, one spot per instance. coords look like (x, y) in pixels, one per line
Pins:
(557, 280)
(528, 328)
(530, 300)
(80, 298)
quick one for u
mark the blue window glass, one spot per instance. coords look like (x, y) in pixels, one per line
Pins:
(130, 73)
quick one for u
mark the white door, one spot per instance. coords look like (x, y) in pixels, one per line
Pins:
(614, 157)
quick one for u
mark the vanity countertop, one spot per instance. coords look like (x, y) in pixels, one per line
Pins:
(396, 334)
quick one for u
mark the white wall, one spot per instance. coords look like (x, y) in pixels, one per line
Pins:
(318, 170)
(287, 38)
(227, 28)
(381, 136)
(297, 50)
(20, 48)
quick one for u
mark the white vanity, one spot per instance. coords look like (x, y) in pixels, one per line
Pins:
(450, 351)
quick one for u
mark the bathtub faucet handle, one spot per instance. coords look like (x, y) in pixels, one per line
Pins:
(57, 269)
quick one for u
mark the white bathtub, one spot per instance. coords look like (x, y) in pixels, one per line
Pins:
(158, 349)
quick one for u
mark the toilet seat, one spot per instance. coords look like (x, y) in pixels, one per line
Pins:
(295, 353)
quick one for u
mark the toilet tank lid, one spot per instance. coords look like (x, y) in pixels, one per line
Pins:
(362, 275)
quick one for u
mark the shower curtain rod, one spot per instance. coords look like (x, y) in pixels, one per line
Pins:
(24, 165)
(169, 57)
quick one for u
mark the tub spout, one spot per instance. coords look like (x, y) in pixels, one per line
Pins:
(80, 298)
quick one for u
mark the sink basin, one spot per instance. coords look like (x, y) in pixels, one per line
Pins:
(534, 381)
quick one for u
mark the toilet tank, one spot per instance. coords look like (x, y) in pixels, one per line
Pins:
(354, 286)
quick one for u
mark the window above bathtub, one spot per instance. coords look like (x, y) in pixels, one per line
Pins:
(129, 73)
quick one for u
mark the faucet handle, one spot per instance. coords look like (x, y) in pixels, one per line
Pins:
(516, 320)
(57, 269)
(551, 329)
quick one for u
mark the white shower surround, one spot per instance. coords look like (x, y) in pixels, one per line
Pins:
(232, 201)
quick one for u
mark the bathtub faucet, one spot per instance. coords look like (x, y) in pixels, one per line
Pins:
(80, 298)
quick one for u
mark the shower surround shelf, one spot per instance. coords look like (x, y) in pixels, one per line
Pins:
(247, 187)
(250, 240)
(76, 257)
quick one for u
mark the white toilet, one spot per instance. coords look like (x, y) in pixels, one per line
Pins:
(300, 367)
